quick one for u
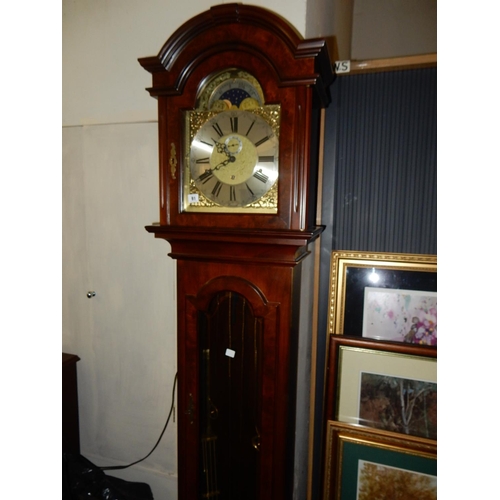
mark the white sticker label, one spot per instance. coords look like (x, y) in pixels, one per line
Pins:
(342, 66)
(193, 198)
(230, 353)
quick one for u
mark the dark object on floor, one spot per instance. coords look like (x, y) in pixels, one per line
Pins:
(84, 480)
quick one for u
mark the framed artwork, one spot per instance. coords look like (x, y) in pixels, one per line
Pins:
(400, 315)
(386, 296)
(384, 385)
(363, 465)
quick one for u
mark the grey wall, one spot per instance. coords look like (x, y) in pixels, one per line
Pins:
(381, 136)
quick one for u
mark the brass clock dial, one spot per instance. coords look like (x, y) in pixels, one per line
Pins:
(233, 161)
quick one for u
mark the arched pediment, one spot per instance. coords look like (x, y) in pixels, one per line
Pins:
(241, 32)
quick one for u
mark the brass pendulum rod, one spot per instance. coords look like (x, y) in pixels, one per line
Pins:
(209, 439)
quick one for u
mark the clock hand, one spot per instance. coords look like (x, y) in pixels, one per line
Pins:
(231, 159)
(209, 172)
(221, 148)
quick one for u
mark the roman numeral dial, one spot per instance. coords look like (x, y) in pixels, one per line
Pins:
(234, 158)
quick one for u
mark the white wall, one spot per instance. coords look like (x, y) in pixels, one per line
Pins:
(125, 335)
(102, 80)
(319, 19)
(393, 28)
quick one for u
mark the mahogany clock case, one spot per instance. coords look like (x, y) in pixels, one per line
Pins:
(238, 272)
(293, 73)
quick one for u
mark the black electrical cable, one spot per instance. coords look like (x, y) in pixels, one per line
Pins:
(117, 467)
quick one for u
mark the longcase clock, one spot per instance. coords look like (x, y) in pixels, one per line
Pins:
(239, 98)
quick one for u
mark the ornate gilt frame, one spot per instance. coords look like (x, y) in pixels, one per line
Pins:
(343, 261)
(407, 451)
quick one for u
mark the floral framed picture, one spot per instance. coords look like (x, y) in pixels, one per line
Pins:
(363, 465)
(400, 315)
(387, 296)
(384, 385)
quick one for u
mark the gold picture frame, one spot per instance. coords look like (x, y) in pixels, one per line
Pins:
(352, 272)
(353, 455)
